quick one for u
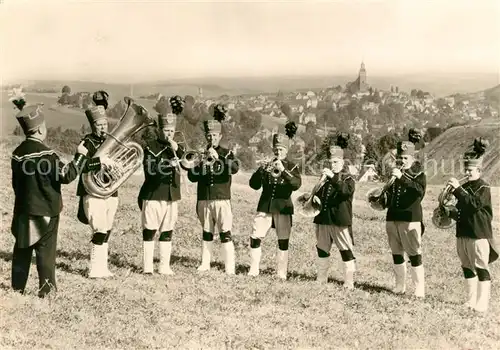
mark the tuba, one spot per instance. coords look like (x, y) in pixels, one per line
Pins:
(118, 146)
(440, 216)
(305, 204)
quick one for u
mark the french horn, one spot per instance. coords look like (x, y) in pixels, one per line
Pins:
(126, 154)
(446, 204)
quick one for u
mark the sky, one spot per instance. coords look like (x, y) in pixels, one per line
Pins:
(155, 40)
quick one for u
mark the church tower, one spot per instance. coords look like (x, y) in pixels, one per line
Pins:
(363, 86)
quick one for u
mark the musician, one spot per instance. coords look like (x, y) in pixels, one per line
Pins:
(275, 208)
(404, 224)
(213, 205)
(98, 213)
(333, 223)
(160, 193)
(37, 175)
(473, 213)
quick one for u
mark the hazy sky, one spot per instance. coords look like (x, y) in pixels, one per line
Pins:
(159, 40)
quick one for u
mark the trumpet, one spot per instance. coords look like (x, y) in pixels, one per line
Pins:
(377, 196)
(306, 204)
(191, 159)
(446, 203)
(269, 165)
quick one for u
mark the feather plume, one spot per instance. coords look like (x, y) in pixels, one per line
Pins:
(100, 98)
(342, 139)
(188, 112)
(290, 129)
(177, 104)
(220, 112)
(414, 135)
(161, 107)
(479, 147)
(18, 98)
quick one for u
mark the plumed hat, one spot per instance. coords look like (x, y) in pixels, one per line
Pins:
(409, 147)
(219, 115)
(280, 140)
(475, 154)
(336, 150)
(97, 111)
(29, 117)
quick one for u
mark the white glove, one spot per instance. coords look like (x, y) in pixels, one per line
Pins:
(328, 172)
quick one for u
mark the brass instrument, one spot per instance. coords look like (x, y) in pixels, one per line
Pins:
(191, 159)
(377, 196)
(305, 204)
(269, 165)
(447, 203)
(118, 146)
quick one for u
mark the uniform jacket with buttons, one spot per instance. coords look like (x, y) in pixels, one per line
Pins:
(405, 195)
(336, 197)
(276, 192)
(92, 142)
(37, 175)
(214, 183)
(474, 210)
(162, 180)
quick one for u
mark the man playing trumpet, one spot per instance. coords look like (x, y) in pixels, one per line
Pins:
(161, 190)
(275, 208)
(404, 216)
(333, 223)
(473, 214)
(214, 193)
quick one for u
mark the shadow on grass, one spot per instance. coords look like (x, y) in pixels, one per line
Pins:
(119, 261)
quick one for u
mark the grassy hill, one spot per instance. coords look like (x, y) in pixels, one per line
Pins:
(214, 311)
(443, 155)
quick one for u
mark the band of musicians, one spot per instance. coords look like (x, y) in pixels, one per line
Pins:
(105, 159)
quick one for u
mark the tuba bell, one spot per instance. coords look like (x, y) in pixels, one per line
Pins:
(305, 204)
(446, 204)
(118, 146)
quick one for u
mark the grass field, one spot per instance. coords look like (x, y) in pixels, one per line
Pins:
(215, 311)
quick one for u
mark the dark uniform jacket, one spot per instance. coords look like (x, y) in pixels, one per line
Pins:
(405, 195)
(92, 142)
(276, 192)
(474, 210)
(162, 181)
(336, 197)
(37, 175)
(215, 182)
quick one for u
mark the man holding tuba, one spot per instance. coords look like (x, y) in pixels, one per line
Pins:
(275, 208)
(333, 223)
(404, 216)
(213, 207)
(473, 213)
(98, 213)
(161, 190)
(37, 175)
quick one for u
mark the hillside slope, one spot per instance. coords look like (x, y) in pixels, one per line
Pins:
(442, 157)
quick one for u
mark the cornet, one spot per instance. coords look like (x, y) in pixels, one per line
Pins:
(446, 203)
